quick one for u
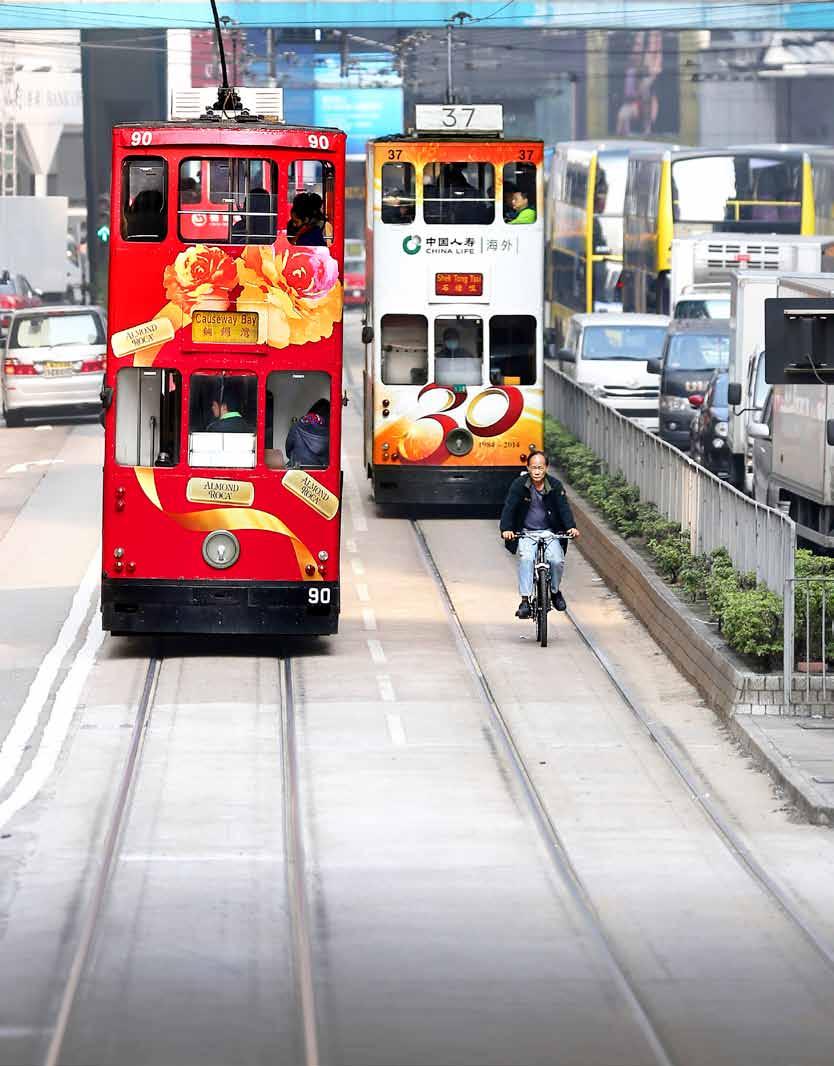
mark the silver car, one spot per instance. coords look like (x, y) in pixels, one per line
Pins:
(54, 359)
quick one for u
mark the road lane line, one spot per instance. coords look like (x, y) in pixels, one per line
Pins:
(386, 688)
(57, 725)
(377, 653)
(357, 566)
(363, 593)
(396, 729)
(350, 546)
(369, 619)
(26, 720)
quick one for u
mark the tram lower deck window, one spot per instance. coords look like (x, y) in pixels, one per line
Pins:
(297, 423)
(222, 416)
(405, 349)
(512, 350)
(148, 406)
(458, 350)
(457, 194)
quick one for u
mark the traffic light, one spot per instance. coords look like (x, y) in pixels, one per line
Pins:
(103, 218)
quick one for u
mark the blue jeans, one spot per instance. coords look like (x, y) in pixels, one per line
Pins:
(527, 557)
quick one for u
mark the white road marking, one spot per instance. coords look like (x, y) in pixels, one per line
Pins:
(40, 429)
(354, 503)
(27, 717)
(386, 688)
(396, 730)
(357, 566)
(377, 654)
(362, 593)
(21, 468)
(350, 546)
(369, 618)
(58, 724)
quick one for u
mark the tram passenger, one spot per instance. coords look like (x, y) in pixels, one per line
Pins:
(144, 217)
(257, 226)
(225, 410)
(537, 505)
(522, 212)
(308, 442)
(307, 222)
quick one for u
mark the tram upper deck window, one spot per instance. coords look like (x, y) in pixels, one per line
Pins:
(228, 201)
(222, 418)
(512, 350)
(458, 350)
(405, 350)
(148, 405)
(310, 195)
(398, 201)
(297, 423)
(456, 194)
(144, 199)
(519, 193)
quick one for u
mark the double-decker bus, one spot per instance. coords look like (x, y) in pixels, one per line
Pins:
(584, 238)
(453, 371)
(680, 192)
(221, 506)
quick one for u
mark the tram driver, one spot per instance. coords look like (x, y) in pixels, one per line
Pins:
(454, 364)
(226, 416)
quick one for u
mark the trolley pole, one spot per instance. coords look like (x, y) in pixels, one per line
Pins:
(460, 17)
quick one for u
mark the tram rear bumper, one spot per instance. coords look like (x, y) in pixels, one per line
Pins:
(246, 608)
(444, 486)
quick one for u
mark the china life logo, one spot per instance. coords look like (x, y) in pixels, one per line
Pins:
(412, 244)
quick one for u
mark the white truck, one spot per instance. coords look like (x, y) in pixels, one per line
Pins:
(33, 242)
(801, 475)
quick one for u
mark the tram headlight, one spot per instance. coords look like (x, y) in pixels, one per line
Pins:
(323, 556)
(459, 441)
(221, 549)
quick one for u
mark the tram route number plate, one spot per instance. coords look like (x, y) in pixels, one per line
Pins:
(225, 327)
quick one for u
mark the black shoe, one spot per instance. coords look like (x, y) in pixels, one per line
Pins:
(523, 609)
(559, 601)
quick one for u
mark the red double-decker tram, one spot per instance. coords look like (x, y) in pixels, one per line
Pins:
(222, 395)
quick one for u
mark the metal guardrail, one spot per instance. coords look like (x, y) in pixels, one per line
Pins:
(758, 538)
(814, 595)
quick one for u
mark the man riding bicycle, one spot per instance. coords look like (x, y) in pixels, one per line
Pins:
(537, 504)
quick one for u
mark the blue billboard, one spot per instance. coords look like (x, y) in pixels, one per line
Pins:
(361, 113)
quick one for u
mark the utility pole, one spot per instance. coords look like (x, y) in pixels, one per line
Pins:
(460, 17)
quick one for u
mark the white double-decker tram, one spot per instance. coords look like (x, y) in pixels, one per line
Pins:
(453, 381)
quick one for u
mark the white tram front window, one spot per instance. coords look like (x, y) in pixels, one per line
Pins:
(399, 204)
(458, 350)
(512, 350)
(222, 416)
(297, 422)
(520, 193)
(310, 196)
(148, 406)
(456, 194)
(405, 350)
(228, 201)
(144, 199)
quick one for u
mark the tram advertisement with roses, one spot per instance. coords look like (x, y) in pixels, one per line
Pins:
(222, 397)
(453, 371)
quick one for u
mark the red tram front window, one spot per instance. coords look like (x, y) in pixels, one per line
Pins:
(297, 426)
(222, 416)
(144, 199)
(148, 406)
(228, 201)
(310, 195)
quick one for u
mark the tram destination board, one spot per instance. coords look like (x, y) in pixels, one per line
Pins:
(225, 327)
(458, 284)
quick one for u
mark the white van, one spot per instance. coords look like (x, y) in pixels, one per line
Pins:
(607, 353)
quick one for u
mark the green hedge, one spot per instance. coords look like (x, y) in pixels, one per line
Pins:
(749, 616)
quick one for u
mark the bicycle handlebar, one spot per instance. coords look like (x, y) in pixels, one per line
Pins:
(553, 536)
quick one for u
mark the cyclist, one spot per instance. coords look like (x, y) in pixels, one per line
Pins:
(537, 505)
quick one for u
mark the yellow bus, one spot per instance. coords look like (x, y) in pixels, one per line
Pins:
(680, 192)
(584, 207)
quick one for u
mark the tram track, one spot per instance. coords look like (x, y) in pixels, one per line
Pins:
(684, 769)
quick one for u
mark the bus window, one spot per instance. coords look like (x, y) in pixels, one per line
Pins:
(512, 350)
(297, 424)
(148, 403)
(398, 202)
(231, 201)
(222, 417)
(458, 350)
(310, 195)
(519, 193)
(405, 350)
(458, 194)
(738, 189)
(144, 202)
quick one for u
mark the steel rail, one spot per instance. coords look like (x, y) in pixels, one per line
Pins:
(548, 831)
(296, 869)
(118, 820)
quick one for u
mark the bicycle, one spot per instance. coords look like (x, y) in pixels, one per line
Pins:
(540, 601)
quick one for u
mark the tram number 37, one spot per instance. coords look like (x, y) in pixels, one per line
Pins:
(318, 595)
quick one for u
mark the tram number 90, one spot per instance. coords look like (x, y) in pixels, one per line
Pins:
(318, 596)
(319, 140)
(140, 138)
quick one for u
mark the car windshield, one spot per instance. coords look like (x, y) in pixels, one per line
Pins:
(55, 331)
(623, 342)
(704, 307)
(719, 392)
(698, 351)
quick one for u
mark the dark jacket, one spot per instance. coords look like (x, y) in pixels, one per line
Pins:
(559, 515)
(232, 423)
(307, 445)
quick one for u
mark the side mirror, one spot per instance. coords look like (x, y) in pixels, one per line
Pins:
(565, 355)
(734, 394)
(829, 431)
(761, 431)
(367, 334)
(653, 366)
(696, 400)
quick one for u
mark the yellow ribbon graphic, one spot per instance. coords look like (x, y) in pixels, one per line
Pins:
(232, 518)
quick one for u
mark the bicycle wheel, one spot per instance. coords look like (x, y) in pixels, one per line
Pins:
(543, 598)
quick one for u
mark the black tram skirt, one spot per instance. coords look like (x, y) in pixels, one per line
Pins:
(444, 486)
(244, 608)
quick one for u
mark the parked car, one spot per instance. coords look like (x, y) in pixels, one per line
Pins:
(708, 429)
(607, 353)
(54, 358)
(354, 273)
(693, 351)
(15, 292)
